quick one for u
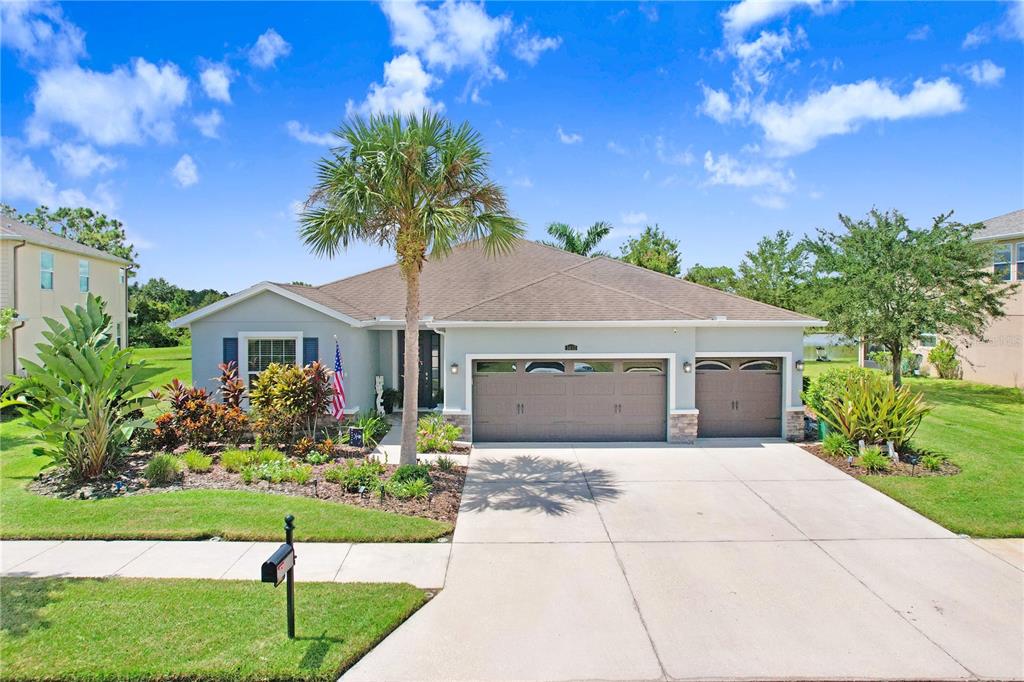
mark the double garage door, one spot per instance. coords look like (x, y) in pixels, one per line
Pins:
(739, 397)
(569, 400)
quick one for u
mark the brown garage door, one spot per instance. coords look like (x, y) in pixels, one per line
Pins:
(739, 397)
(569, 400)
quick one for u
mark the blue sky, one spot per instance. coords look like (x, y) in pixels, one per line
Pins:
(198, 124)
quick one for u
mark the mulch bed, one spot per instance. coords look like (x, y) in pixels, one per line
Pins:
(903, 468)
(442, 505)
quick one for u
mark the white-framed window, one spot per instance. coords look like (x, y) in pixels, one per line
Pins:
(258, 350)
(1001, 258)
(46, 270)
(1020, 261)
(83, 276)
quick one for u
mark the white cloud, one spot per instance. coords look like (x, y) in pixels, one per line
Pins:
(569, 138)
(22, 179)
(717, 105)
(756, 56)
(38, 31)
(923, 32)
(268, 49)
(126, 105)
(529, 48)
(185, 172)
(984, 72)
(1010, 27)
(616, 148)
(454, 34)
(216, 82)
(725, 170)
(303, 134)
(82, 160)
(667, 154)
(209, 124)
(403, 91)
(798, 127)
(747, 14)
(649, 10)
(634, 218)
(523, 181)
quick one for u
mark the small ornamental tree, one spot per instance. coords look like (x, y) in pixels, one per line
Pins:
(720, 277)
(84, 398)
(890, 282)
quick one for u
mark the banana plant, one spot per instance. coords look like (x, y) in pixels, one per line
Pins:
(85, 399)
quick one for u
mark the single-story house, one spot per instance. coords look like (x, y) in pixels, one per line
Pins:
(538, 344)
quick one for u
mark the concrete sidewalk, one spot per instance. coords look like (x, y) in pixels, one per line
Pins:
(423, 565)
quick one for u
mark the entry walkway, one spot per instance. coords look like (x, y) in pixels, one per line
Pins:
(420, 564)
(731, 561)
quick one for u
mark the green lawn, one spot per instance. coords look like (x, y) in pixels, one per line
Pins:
(126, 629)
(182, 515)
(981, 429)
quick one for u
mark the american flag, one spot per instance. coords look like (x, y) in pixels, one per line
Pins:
(338, 404)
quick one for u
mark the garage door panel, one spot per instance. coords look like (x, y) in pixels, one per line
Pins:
(605, 403)
(738, 402)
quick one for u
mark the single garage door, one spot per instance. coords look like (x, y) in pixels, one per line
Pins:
(569, 400)
(739, 397)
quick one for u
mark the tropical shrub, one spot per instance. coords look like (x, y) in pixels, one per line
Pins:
(235, 460)
(838, 445)
(232, 388)
(943, 358)
(444, 463)
(932, 462)
(197, 462)
(352, 476)
(303, 446)
(416, 488)
(326, 447)
(232, 423)
(411, 472)
(164, 435)
(287, 397)
(434, 434)
(873, 460)
(829, 384)
(162, 469)
(374, 427)
(195, 417)
(277, 471)
(84, 399)
(872, 409)
(320, 393)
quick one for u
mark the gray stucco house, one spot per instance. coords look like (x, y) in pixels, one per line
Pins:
(539, 344)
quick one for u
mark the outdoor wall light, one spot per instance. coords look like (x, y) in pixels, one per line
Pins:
(687, 367)
(799, 364)
(455, 368)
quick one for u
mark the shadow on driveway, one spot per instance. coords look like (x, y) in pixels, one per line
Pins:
(528, 482)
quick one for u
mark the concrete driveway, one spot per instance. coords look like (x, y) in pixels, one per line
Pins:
(728, 560)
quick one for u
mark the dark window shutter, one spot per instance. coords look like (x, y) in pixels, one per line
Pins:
(310, 349)
(230, 349)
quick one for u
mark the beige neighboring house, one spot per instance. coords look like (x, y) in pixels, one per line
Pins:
(39, 273)
(999, 359)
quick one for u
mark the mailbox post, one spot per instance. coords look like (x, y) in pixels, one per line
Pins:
(281, 566)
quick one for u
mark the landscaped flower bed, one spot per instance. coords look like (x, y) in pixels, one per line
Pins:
(439, 501)
(903, 468)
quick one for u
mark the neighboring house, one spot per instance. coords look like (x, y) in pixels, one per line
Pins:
(539, 344)
(999, 358)
(39, 273)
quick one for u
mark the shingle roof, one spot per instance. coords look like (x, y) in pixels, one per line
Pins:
(536, 283)
(1008, 225)
(15, 229)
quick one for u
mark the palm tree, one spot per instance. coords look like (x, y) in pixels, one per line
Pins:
(418, 185)
(574, 241)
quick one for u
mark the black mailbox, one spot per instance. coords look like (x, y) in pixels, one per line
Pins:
(355, 436)
(276, 568)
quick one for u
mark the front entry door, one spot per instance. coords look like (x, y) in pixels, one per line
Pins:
(429, 374)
